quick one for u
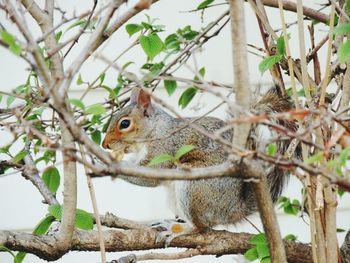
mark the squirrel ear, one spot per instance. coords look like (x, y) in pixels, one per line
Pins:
(141, 98)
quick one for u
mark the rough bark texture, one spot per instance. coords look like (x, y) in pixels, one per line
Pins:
(211, 243)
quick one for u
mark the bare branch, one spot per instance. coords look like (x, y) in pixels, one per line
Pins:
(35, 11)
(345, 248)
(126, 240)
(241, 131)
(291, 6)
(30, 172)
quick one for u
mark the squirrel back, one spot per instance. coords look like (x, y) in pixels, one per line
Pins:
(148, 131)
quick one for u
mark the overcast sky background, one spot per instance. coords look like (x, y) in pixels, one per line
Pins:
(21, 207)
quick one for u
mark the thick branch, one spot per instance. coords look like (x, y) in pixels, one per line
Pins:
(69, 193)
(35, 11)
(291, 6)
(241, 131)
(230, 243)
(345, 249)
(240, 64)
(269, 220)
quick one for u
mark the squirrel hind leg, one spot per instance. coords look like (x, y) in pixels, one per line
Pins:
(171, 229)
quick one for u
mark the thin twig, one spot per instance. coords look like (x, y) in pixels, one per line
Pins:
(325, 81)
(95, 208)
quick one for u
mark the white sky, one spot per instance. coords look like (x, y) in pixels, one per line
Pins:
(21, 206)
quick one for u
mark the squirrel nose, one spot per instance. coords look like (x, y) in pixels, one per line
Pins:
(105, 144)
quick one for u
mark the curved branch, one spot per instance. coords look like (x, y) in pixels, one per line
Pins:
(30, 172)
(291, 6)
(35, 11)
(230, 243)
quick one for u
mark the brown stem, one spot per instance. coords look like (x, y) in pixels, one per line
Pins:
(242, 99)
(128, 240)
(317, 69)
(291, 6)
(345, 249)
(270, 48)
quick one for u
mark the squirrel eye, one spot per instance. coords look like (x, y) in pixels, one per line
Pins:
(124, 124)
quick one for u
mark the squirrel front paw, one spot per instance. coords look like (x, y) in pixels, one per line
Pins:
(173, 228)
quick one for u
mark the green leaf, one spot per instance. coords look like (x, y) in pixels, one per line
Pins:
(19, 257)
(10, 40)
(202, 71)
(187, 33)
(258, 239)
(340, 230)
(265, 260)
(344, 156)
(269, 62)
(7, 37)
(314, 158)
(152, 45)
(290, 237)
(127, 64)
(96, 109)
(161, 159)
(95, 119)
(16, 49)
(172, 42)
(5, 149)
(51, 177)
(5, 249)
(58, 36)
(84, 220)
(133, 28)
(204, 4)
(77, 103)
(19, 156)
(43, 226)
(170, 86)
(183, 150)
(96, 137)
(79, 80)
(83, 24)
(102, 77)
(347, 7)
(342, 29)
(251, 254)
(291, 208)
(340, 192)
(344, 51)
(9, 100)
(56, 211)
(281, 48)
(271, 149)
(263, 250)
(187, 96)
(111, 92)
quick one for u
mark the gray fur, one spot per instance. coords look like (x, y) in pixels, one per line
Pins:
(210, 202)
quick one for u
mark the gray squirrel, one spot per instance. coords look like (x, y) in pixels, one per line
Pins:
(148, 131)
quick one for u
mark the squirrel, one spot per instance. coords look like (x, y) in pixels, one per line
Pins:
(147, 130)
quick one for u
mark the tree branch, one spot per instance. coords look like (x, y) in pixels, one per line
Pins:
(345, 249)
(241, 131)
(126, 240)
(94, 42)
(291, 6)
(30, 172)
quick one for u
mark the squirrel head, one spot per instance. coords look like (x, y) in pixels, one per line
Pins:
(129, 126)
